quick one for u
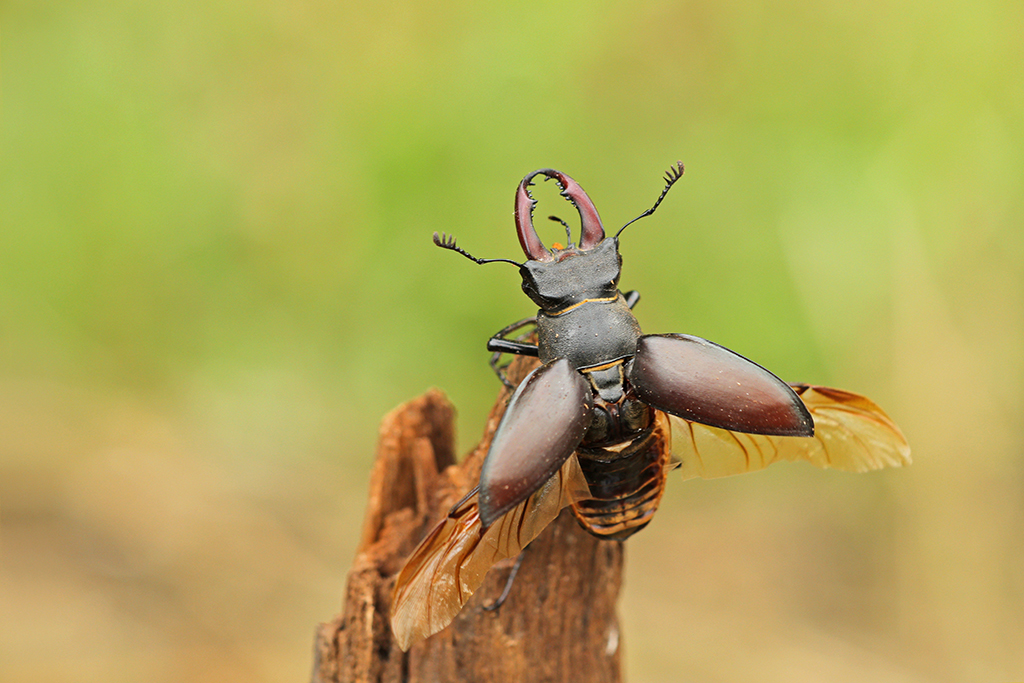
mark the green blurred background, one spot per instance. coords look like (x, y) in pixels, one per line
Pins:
(216, 276)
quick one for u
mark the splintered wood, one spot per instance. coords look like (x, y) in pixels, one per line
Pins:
(559, 621)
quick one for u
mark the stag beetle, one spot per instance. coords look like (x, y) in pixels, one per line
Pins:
(590, 427)
(600, 377)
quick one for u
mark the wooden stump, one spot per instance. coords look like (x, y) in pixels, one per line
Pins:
(559, 621)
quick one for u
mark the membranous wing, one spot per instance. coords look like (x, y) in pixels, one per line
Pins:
(451, 562)
(851, 433)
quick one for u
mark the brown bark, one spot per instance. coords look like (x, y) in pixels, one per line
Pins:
(559, 622)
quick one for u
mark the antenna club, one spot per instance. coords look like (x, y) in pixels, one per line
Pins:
(673, 174)
(448, 242)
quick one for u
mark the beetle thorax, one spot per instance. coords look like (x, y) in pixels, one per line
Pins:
(589, 334)
(583, 317)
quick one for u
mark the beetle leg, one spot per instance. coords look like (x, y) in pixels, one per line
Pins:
(500, 345)
(496, 605)
(632, 297)
(517, 348)
(503, 346)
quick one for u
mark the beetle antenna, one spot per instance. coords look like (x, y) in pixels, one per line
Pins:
(671, 176)
(568, 230)
(448, 242)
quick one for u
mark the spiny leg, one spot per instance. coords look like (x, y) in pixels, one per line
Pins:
(500, 345)
(508, 583)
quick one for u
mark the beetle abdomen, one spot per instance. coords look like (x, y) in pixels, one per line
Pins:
(625, 485)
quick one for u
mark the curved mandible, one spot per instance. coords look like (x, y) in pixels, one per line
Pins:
(528, 239)
(592, 231)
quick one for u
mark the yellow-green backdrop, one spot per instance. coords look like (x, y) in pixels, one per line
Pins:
(216, 275)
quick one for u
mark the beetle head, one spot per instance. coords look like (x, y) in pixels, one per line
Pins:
(561, 276)
(573, 275)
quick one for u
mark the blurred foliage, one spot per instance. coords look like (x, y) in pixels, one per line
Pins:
(216, 275)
